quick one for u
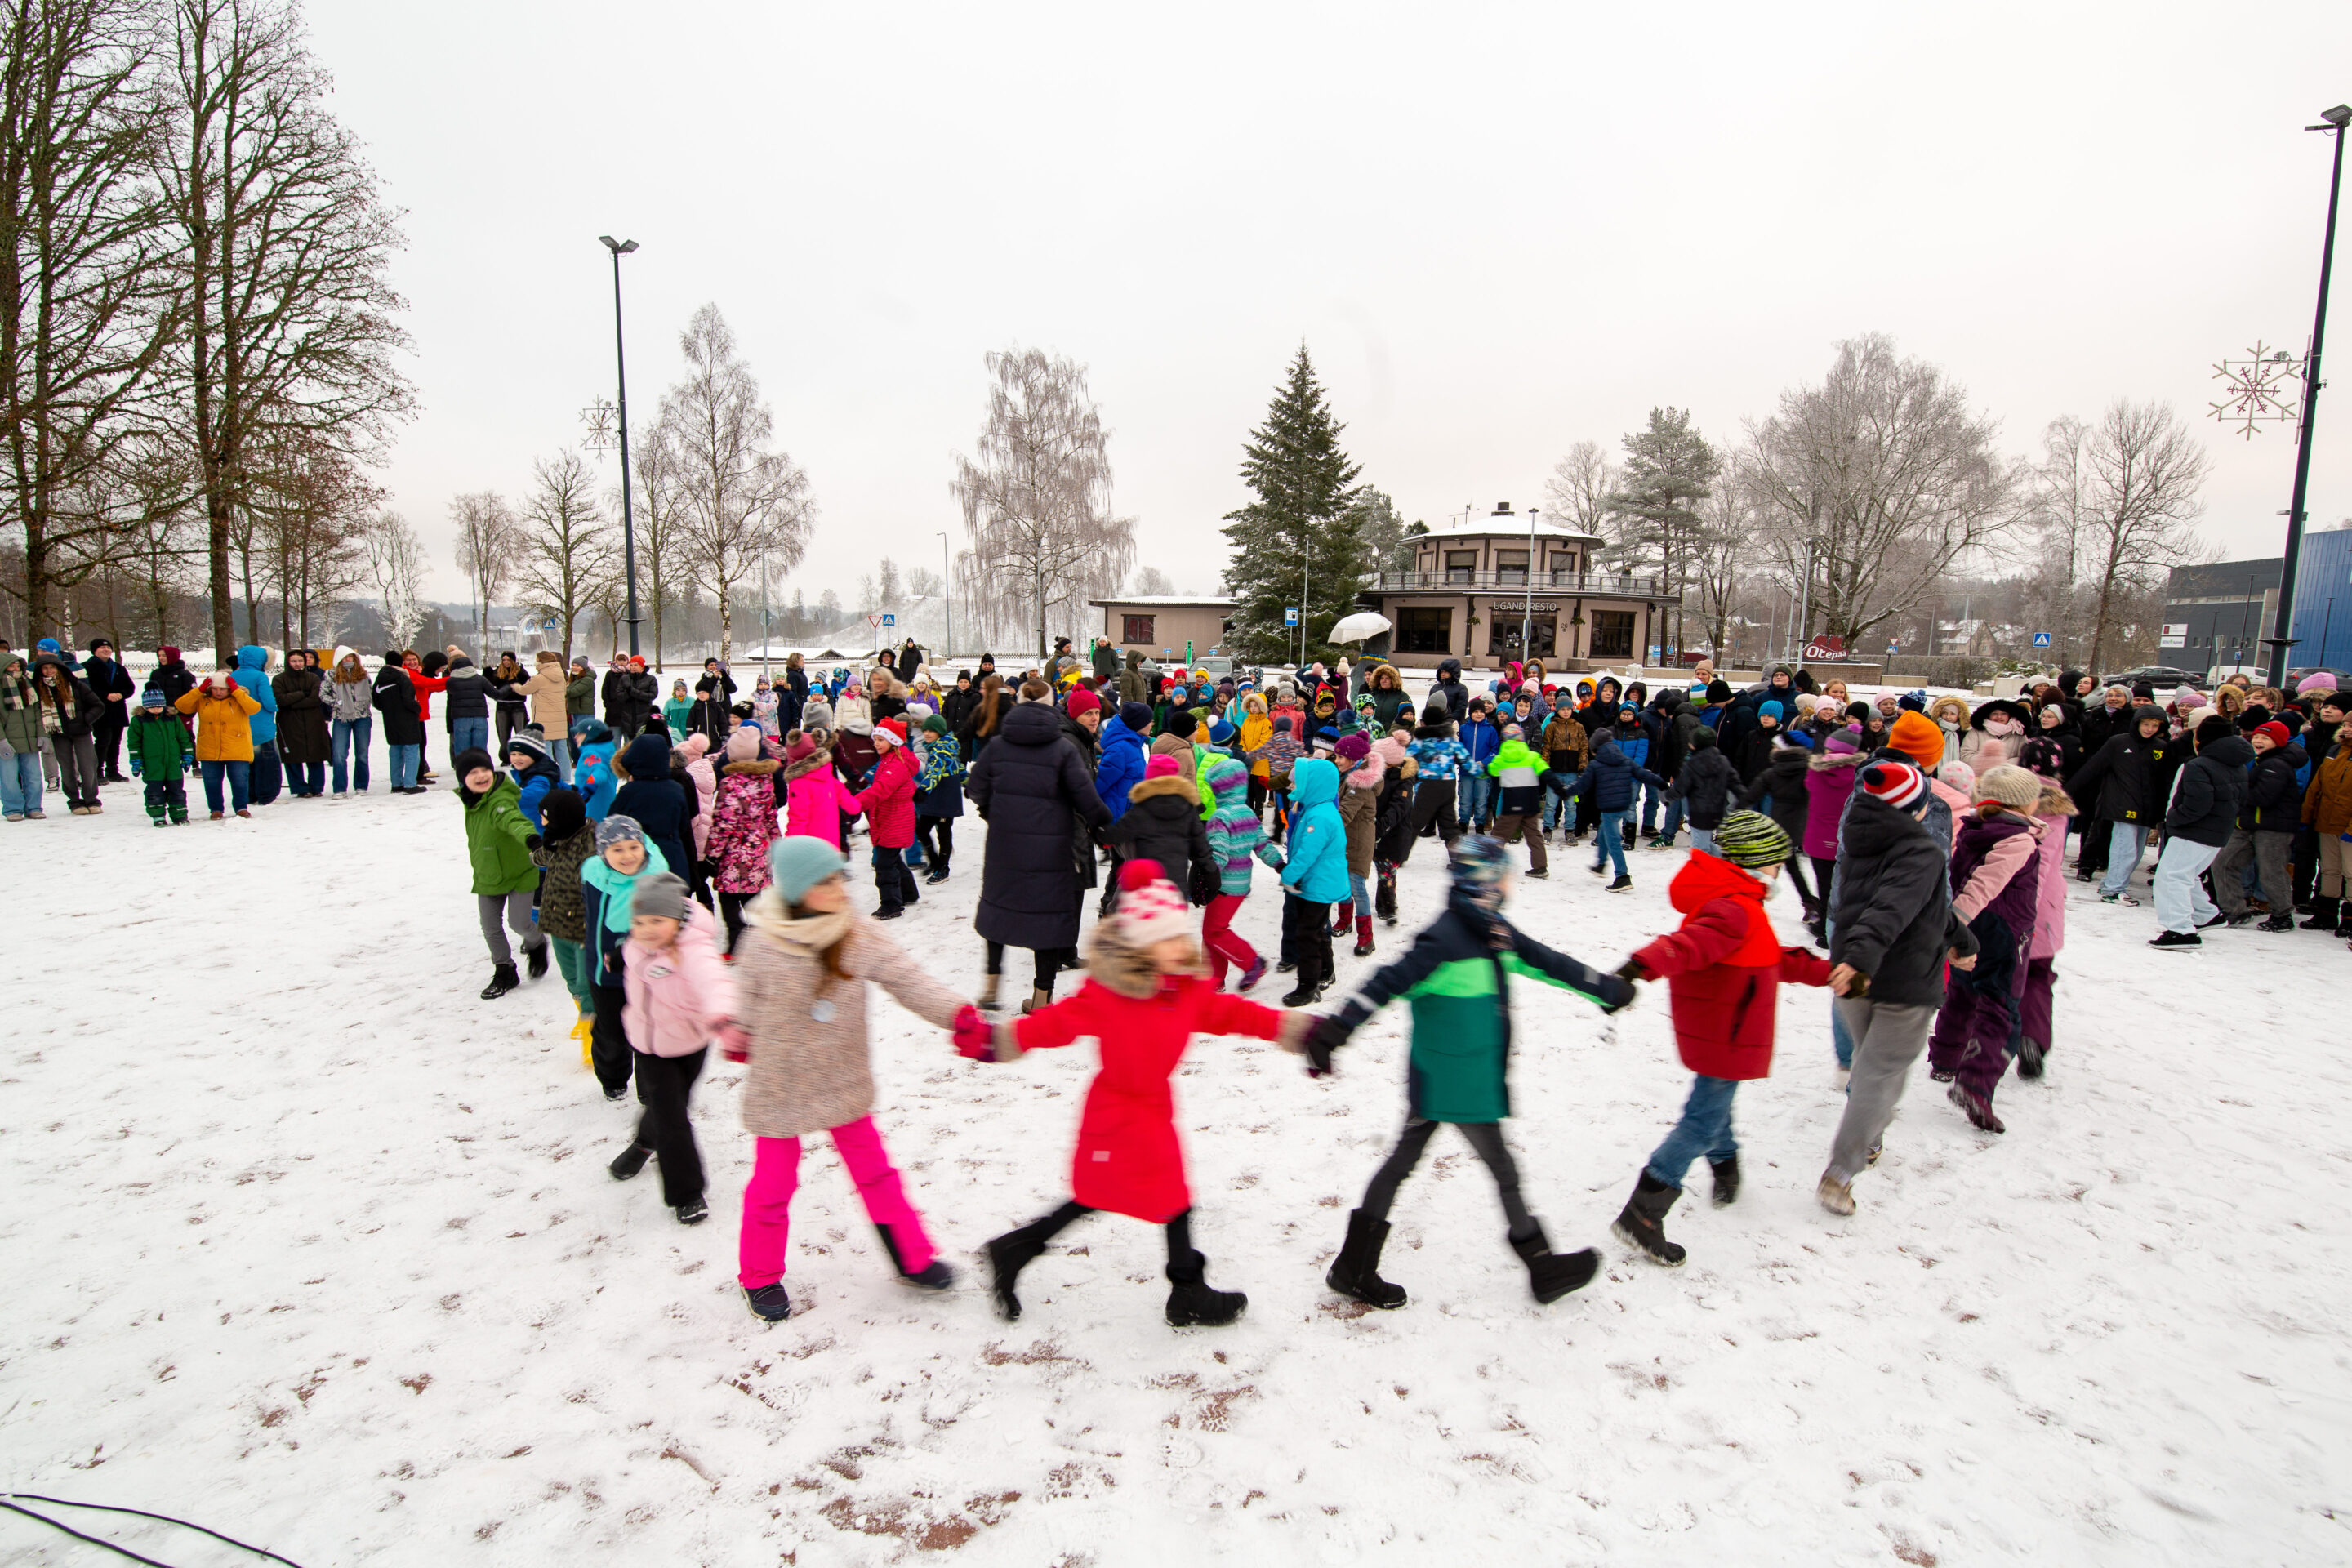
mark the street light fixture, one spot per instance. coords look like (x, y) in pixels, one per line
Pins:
(2283, 623)
(947, 595)
(620, 248)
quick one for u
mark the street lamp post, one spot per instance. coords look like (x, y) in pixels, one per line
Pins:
(2282, 623)
(620, 248)
(947, 595)
(1527, 605)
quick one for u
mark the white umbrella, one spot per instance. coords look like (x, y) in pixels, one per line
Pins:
(1362, 625)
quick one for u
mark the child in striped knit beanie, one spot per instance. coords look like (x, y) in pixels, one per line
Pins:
(1147, 994)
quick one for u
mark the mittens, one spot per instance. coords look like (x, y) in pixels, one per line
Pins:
(975, 1037)
(1326, 1036)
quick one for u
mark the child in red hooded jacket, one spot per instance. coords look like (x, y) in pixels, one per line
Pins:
(1724, 969)
(1148, 993)
(888, 802)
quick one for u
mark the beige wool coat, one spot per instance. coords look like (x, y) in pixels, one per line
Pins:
(806, 1074)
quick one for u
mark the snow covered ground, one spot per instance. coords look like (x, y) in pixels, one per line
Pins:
(307, 1244)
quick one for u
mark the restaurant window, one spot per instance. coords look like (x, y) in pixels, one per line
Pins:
(1461, 565)
(1503, 636)
(1137, 628)
(1422, 629)
(1612, 634)
(1511, 567)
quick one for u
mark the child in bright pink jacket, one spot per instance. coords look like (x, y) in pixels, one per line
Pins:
(678, 997)
(888, 802)
(815, 800)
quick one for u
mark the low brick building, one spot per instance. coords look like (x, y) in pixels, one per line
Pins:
(1157, 626)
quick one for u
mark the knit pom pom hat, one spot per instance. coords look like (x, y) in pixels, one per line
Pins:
(743, 745)
(1151, 909)
(1899, 784)
(1751, 840)
(1162, 766)
(2009, 785)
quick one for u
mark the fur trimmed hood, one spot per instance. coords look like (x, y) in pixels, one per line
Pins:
(1175, 785)
(2054, 802)
(1125, 969)
(820, 758)
(758, 766)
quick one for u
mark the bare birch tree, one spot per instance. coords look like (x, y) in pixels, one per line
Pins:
(1577, 495)
(568, 552)
(396, 564)
(1036, 499)
(741, 508)
(87, 309)
(2146, 472)
(1886, 465)
(2062, 513)
(283, 245)
(487, 542)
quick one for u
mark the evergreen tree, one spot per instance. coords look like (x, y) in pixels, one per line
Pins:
(1384, 532)
(1305, 519)
(1653, 519)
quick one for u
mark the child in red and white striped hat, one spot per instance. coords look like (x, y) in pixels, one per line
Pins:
(888, 802)
(1148, 993)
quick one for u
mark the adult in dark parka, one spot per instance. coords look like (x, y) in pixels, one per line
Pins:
(302, 734)
(1033, 789)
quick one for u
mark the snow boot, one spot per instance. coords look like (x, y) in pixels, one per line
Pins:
(933, 1276)
(1192, 1304)
(1551, 1275)
(629, 1162)
(768, 1303)
(1835, 1196)
(1357, 1271)
(1621, 885)
(1341, 919)
(2280, 922)
(2029, 1057)
(1727, 1181)
(1978, 1108)
(535, 960)
(694, 1211)
(2324, 914)
(503, 979)
(1363, 935)
(986, 1000)
(1038, 1001)
(1009, 1254)
(1253, 975)
(1642, 1221)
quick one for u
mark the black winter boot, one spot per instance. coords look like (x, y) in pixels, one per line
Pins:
(536, 960)
(2324, 913)
(1191, 1304)
(1357, 1271)
(1008, 1254)
(629, 1162)
(2029, 1057)
(1727, 1181)
(1552, 1275)
(1643, 1222)
(503, 979)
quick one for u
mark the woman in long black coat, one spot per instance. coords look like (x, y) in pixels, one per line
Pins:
(303, 733)
(1033, 791)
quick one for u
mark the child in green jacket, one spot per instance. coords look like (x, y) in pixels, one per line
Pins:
(159, 752)
(1518, 773)
(1456, 974)
(498, 842)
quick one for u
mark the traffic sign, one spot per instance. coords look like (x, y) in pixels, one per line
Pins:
(2041, 639)
(1894, 647)
(1290, 616)
(889, 620)
(875, 620)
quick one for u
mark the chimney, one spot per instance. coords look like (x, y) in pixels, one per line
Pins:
(1502, 509)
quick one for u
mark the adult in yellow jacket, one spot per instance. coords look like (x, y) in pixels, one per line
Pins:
(224, 713)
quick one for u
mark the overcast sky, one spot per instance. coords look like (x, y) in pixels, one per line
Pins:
(1500, 229)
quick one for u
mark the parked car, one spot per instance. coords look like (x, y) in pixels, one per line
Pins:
(2163, 677)
(2295, 677)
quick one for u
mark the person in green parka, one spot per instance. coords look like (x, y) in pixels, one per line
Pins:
(678, 712)
(498, 841)
(159, 753)
(1455, 975)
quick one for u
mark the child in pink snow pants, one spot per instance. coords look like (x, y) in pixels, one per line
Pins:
(800, 973)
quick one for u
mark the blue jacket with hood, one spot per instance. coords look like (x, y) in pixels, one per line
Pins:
(1121, 768)
(1483, 738)
(1317, 867)
(592, 769)
(248, 674)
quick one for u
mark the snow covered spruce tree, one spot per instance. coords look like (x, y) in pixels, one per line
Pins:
(1305, 525)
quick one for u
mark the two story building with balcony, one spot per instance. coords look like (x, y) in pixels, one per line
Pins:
(1474, 588)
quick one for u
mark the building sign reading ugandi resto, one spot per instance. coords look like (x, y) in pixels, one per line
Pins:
(1523, 606)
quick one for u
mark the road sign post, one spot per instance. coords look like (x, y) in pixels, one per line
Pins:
(2041, 639)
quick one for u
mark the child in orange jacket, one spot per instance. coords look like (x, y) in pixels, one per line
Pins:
(1724, 969)
(1147, 994)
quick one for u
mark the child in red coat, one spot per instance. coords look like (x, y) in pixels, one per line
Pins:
(1148, 993)
(888, 802)
(1723, 969)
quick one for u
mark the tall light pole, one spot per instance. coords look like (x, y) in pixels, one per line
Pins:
(947, 595)
(1527, 605)
(620, 248)
(2283, 623)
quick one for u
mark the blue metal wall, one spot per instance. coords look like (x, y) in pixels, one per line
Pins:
(2323, 632)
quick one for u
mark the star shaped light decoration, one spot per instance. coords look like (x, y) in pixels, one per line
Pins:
(2257, 389)
(602, 425)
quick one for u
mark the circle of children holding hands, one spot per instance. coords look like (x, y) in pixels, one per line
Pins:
(682, 866)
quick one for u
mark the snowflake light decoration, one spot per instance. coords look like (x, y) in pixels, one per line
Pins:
(602, 425)
(2254, 389)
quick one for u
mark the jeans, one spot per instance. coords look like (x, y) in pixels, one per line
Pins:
(1361, 887)
(2125, 842)
(465, 732)
(1888, 1038)
(776, 1176)
(1650, 799)
(2266, 854)
(405, 761)
(1610, 846)
(2180, 901)
(240, 784)
(306, 778)
(560, 748)
(20, 781)
(264, 774)
(1673, 822)
(1477, 798)
(1560, 792)
(353, 733)
(1705, 1129)
(1703, 839)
